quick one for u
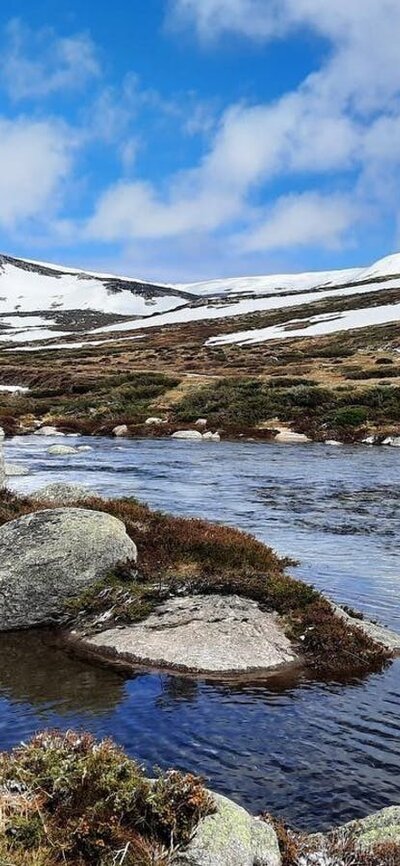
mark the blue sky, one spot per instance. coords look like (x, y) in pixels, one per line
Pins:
(186, 139)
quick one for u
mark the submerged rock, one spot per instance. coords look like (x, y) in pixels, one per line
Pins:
(49, 557)
(13, 470)
(203, 634)
(231, 837)
(61, 493)
(187, 434)
(61, 450)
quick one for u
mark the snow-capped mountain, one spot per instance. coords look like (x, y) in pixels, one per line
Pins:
(40, 302)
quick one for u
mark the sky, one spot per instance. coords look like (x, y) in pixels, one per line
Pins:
(181, 140)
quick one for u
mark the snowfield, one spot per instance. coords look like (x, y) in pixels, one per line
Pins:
(65, 303)
(328, 323)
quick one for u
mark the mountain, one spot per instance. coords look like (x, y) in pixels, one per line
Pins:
(41, 302)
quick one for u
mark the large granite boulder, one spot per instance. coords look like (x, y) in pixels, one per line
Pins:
(188, 434)
(231, 837)
(202, 634)
(51, 556)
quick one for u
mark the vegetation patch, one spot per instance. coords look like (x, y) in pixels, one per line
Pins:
(187, 556)
(338, 848)
(65, 798)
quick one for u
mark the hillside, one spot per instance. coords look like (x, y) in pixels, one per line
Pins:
(40, 302)
(95, 350)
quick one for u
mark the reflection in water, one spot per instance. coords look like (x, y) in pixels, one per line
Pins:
(317, 754)
(34, 670)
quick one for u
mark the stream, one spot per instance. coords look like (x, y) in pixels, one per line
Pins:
(316, 754)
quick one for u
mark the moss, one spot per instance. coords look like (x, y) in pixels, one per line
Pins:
(66, 798)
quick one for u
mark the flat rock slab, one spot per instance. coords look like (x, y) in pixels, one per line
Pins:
(203, 634)
(379, 633)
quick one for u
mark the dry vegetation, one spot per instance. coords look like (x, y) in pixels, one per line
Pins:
(178, 555)
(306, 382)
(339, 848)
(65, 798)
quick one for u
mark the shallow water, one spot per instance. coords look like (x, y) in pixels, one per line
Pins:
(314, 753)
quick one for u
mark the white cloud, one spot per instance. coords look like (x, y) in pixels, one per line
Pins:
(343, 119)
(36, 64)
(35, 158)
(301, 220)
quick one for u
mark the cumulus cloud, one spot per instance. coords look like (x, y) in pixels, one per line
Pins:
(301, 220)
(35, 157)
(341, 123)
(36, 64)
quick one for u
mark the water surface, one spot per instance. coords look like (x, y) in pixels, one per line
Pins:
(317, 754)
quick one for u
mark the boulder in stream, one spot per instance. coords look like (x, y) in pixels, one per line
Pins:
(50, 557)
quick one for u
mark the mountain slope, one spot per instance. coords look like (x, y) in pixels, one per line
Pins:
(43, 302)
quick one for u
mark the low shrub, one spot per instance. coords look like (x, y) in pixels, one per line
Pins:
(65, 798)
(351, 416)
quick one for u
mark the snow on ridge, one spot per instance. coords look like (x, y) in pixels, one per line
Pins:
(82, 272)
(271, 283)
(326, 323)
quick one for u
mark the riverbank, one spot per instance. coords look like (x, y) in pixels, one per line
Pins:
(66, 798)
(87, 400)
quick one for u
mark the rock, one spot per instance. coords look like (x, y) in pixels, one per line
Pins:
(52, 556)
(377, 829)
(203, 634)
(61, 450)
(381, 827)
(201, 422)
(379, 633)
(393, 441)
(61, 494)
(289, 437)
(333, 442)
(48, 431)
(13, 470)
(211, 437)
(2, 464)
(369, 440)
(155, 421)
(187, 434)
(121, 430)
(231, 837)
(84, 448)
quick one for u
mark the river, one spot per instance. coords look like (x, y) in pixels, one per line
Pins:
(316, 754)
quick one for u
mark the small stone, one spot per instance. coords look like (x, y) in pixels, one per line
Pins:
(13, 470)
(61, 450)
(201, 422)
(154, 421)
(188, 434)
(120, 430)
(48, 431)
(289, 437)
